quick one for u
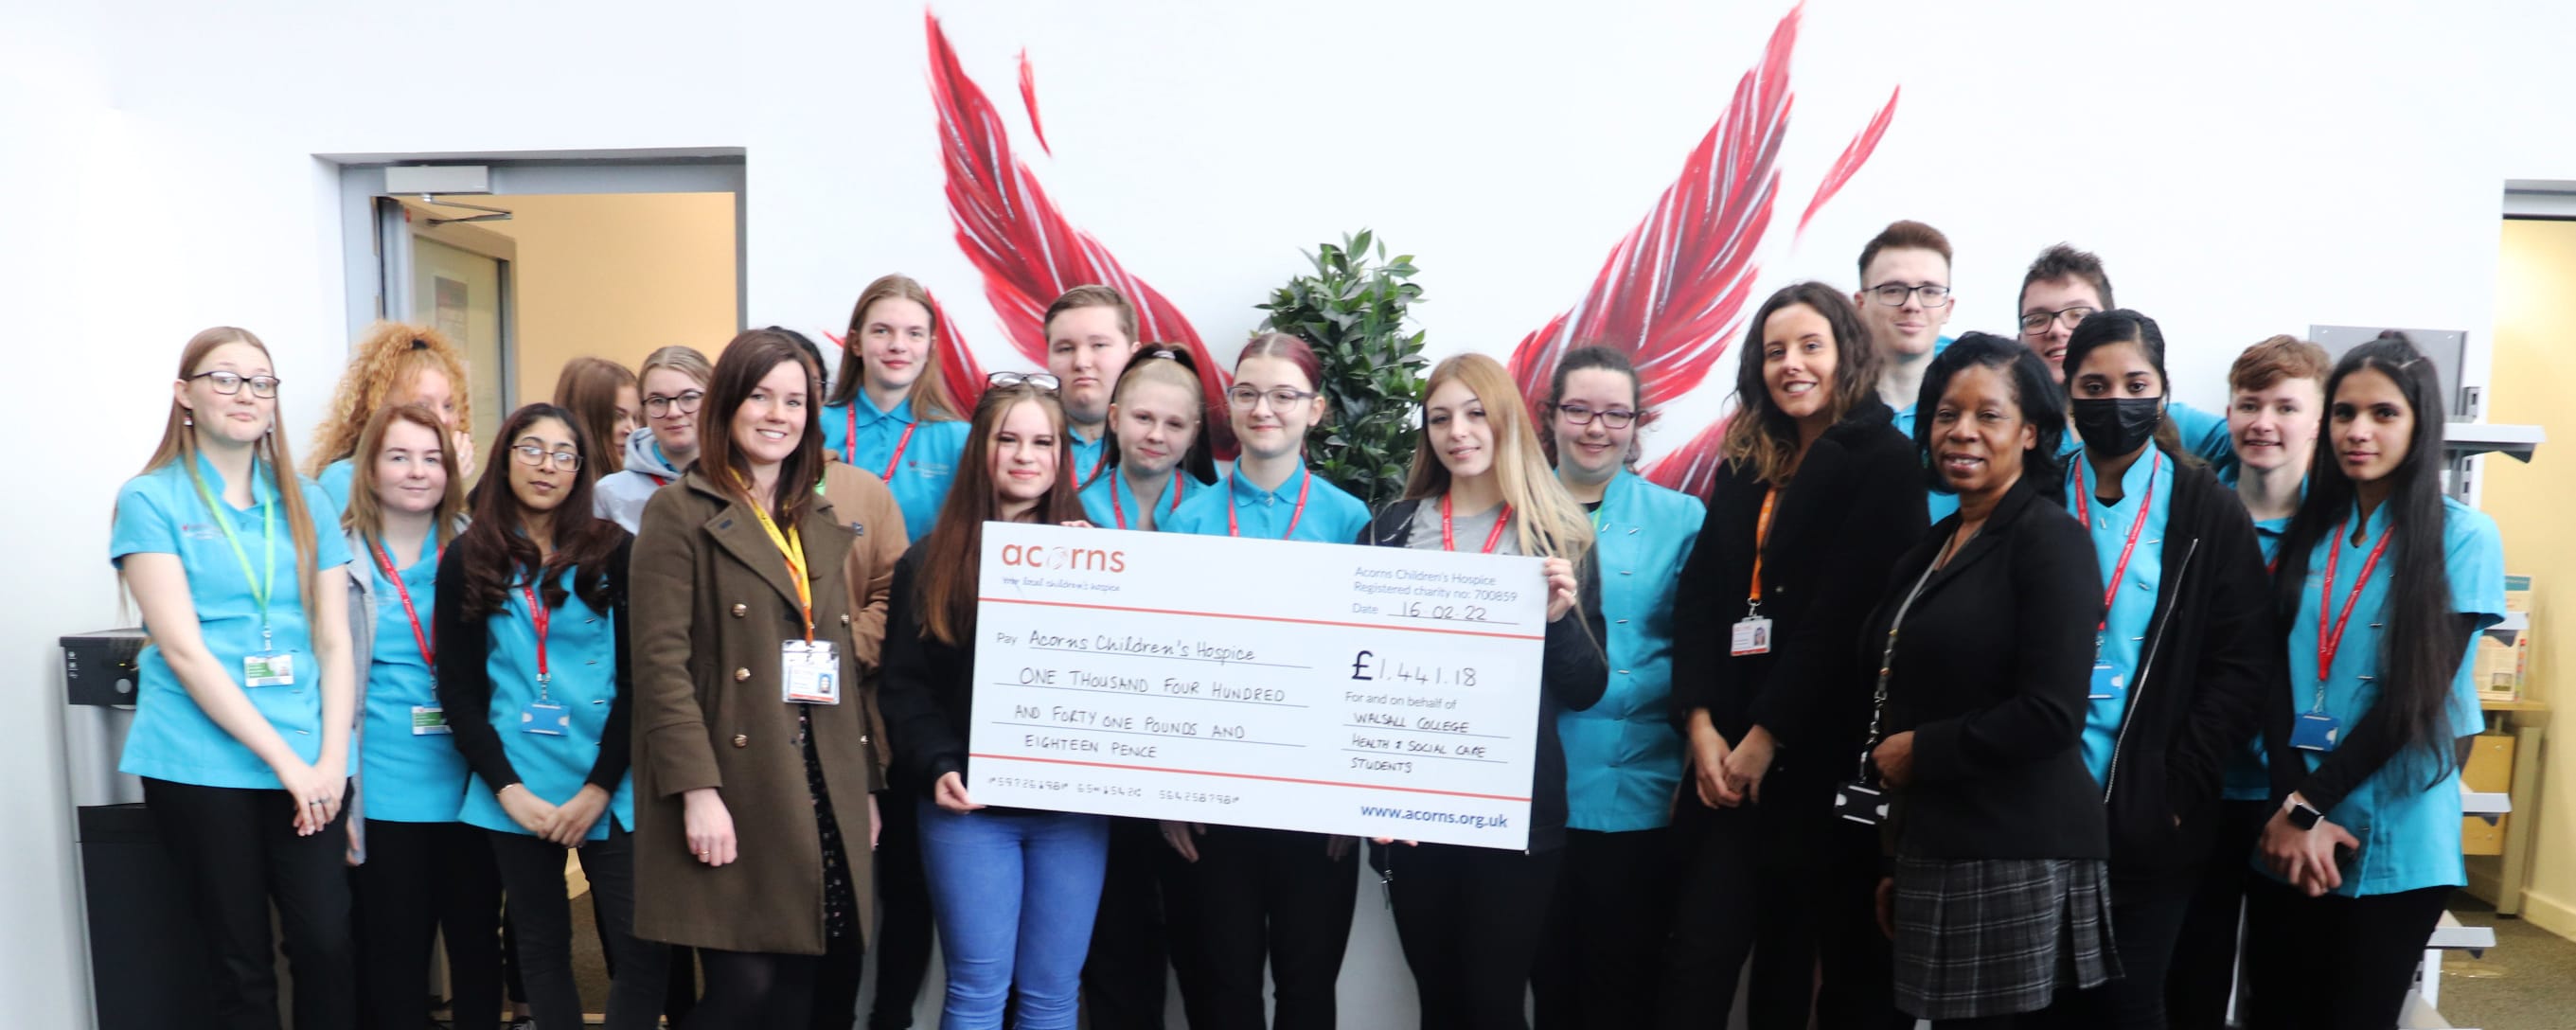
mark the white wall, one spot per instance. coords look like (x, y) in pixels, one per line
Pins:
(2245, 170)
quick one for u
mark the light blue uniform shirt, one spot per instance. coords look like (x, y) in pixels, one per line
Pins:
(1622, 756)
(1332, 516)
(2133, 601)
(2410, 835)
(1905, 415)
(161, 512)
(1090, 457)
(2245, 777)
(1110, 503)
(411, 777)
(920, 480)
(581, 653)
(335, 480)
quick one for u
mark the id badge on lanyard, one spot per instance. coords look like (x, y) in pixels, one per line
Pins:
(1753, 632)
(2316, 729)
(809, 673)
(269, 669)
(2107, 682)
(543, 716)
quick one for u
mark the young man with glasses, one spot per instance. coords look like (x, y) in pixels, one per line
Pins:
(1905, 299)
(2062, 288)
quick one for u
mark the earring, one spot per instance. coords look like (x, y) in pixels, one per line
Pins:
(187, 420)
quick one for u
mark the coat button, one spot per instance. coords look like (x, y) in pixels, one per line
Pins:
(742, 740)
(741, 610)
(741, 675)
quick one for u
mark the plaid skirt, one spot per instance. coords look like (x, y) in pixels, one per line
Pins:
(1997, 937)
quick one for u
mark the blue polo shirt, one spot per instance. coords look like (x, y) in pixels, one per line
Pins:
(162, 512)
(2133, 596)
(1090, 457)
(922, 474)
(2409, 833)
(1623, 759)
(581, 654)
(412, 777)
(1110, 502)
(1331, 517)
(335, 480)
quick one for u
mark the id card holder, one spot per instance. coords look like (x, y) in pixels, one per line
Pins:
(2315, 731)
(544, 719)
(1861, 803)
(1752, 636)
(268, 670)
(2107, 682)
(809, 673)
(428, 719)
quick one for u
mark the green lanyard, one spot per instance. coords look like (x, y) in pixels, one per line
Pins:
(259, 591)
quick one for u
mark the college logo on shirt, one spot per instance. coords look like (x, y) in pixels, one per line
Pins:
(931, 468)
(201, 531)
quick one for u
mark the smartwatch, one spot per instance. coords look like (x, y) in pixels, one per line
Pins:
(2303, 816)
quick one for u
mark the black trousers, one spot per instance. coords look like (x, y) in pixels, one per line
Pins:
(2339, 963)
(533, 872)
(239, 853)
(2146, 918)
(903, 909)
(1597, 964)
(1265, 898)
(2203, 971)
(1125, 974)
(420, 879)
(760, 991)
(1789, 887)
(1469, 921)
(1856, 960)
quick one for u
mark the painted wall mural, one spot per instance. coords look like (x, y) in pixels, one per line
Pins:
(1674, 292)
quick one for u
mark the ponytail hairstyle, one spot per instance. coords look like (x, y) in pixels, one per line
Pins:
(2034, 392)
(366, 515)
(952, 555)
(588, 388)
(2121, 325)
(747, 360)
(1607, 359)
(1760, 434)
(2421, 650)
(495, 549)
(389, 358)
(179, 444)
(929, 393)
(1172, 365)
(1548, 522)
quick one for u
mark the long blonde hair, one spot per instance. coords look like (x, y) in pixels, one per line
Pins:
(1549, 522)
(390, 356)
(179, 444)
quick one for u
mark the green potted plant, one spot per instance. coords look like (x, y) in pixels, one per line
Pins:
(1353, 311)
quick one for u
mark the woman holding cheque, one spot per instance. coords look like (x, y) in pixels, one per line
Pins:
(1470, 918)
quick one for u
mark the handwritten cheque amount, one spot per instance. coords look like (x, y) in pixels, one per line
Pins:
(1370, 691)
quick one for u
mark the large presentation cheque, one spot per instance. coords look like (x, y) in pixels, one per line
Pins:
(1371, 691)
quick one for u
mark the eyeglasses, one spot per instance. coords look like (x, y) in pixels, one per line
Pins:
(687, 402)
(1615, 418)
(534, 456)
(230, 383)
(1245, 398)
(2035, 321)
(1894, 294)
(1042, 380)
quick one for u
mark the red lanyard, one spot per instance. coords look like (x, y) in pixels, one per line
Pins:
(851, 440)
(1761, 534)
(2084, 512)
(1118, 497)
(1449, 535)
(1097, 463)
(2329, 643)
(538, 616)
(386, 562)
(1234, 528)
(657, 480)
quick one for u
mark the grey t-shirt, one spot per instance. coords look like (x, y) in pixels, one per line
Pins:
(1469, 529)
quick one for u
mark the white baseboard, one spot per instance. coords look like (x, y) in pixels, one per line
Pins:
(2549, 914)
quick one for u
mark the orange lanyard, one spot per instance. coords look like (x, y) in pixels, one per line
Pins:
(1761, 536)
(1449, 534)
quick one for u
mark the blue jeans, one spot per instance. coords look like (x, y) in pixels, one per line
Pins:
(1014, 896)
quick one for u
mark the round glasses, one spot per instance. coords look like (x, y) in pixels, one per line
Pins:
(686, 403)
(230, 383)
(1281, 398)
(1894, 295)
(534, 456)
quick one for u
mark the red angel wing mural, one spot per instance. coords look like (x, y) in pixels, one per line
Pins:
(1026, 250)
(1853, 156)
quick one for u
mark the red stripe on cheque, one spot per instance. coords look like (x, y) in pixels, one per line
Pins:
(1247, 776)
(1265, 618)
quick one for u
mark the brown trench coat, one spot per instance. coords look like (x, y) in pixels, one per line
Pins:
(711, 603)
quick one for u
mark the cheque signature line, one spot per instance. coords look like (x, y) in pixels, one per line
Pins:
(1173, 657)
(1422, 754)
(1412, 729)
(1246, 776)
(1150, 697)
(1061, 728)
(1263, 618)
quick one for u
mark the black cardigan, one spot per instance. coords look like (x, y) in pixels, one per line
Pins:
(1990, 674)
(1573, 673)
(925, 688)
(1855, 506)
(465, 679)
(2211, 657)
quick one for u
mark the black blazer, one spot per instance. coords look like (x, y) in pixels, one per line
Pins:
(1990, 672)
(1855, 506)
(2212, 656)
(925, 688)
(1573, 673)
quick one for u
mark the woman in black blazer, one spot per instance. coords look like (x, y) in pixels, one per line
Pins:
(1983, 645)
(1818, 481)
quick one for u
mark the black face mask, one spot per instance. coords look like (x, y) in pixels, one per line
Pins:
(2117, 425)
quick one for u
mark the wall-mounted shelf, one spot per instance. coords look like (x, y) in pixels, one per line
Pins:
(2466, 439)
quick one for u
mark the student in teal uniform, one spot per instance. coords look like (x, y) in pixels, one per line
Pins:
(1598, 959)
(674, 382)
(2365, 739)
(889, 412)
(1270, 493)
(422, 869)
(245, 691)
(395, 363)
(1090, 335)
(1905, 299)
(2064, 286)
(2182, 659)
(2277, 391)
(1259, 899)
(532, 679)
(1158, 427)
